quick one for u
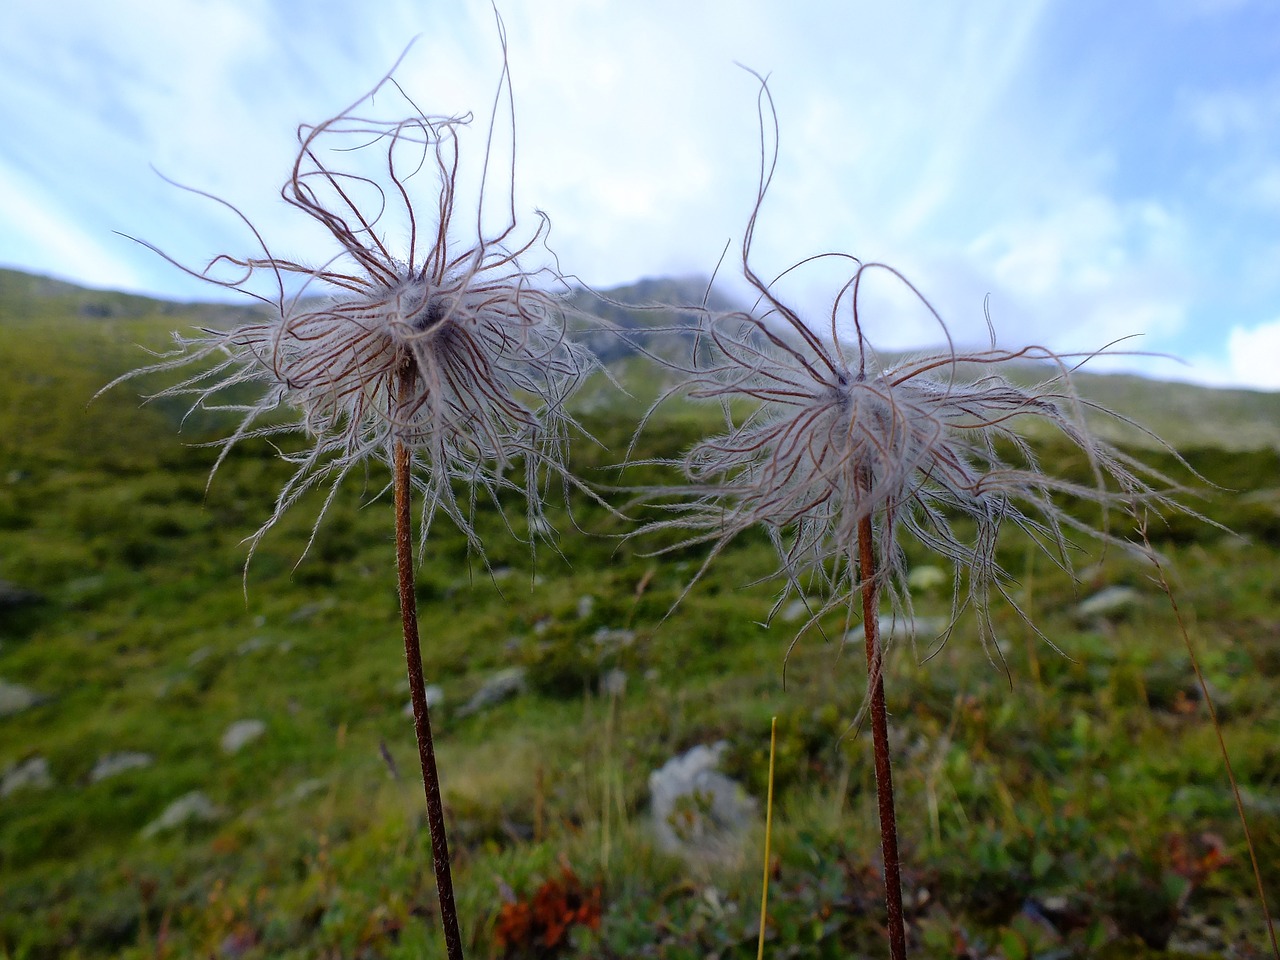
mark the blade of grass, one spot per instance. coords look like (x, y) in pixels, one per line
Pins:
(768, 835)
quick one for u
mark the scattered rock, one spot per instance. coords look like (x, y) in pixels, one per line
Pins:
(111, 764)
(199, 656)
(252, 645)
(606, 639)
(14, 698)
(82, 589)
(1107, 603)
(586, 603)
(925, 578)
(12, 595)
(795, 610)
(309, 611)
(613, 683)
(697, 811)
(902, 628)
(302, 791)
(193, 807)
(31, 774)
(503, 685)
(241, 733)
(435, 698)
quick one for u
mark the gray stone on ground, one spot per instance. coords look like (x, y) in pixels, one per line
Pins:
(113, 764)
(1108, 602)
(503, 685)
(795, 610)
(925, 578)
(12, 595)
(613, 683)
(199, 656)
(193, 807)
(697, 811)
(902, 628)
(435, 698)
(30, 774)
(586, 603)
(613, 639)
(301, 791)
(241, 733)
(252, 645)
(14, 698)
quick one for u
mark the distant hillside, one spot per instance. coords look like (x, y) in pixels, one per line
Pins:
(85, 337)
(644, 305)
(27, 297)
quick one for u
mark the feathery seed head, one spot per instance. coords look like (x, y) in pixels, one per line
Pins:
(821, 436)
(452, 350)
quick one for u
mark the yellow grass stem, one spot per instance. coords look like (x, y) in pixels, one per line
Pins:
(768, 835)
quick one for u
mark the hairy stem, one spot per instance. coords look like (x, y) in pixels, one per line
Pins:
(421, 721)
(880, 736)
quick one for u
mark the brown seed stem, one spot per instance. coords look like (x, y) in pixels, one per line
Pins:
(880, 737)
(418, 692)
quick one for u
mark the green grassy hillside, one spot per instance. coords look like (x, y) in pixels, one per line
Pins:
(1050, 806)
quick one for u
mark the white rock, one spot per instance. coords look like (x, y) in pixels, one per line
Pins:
(302, 791)
(252, 645)
(193, 807)
(32, 774)
(241, 733)
(925, 578)
(111, 764)
(794, 610)
(613, 683)
(607, 639)
(902, 628)
(586, 603)
(14, 698)
(435, 697)
(697, 811)
(199, 656)
(1108, 602)
(503, 685)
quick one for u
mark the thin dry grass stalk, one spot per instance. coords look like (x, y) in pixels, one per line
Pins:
(445, 361)
(841, 457)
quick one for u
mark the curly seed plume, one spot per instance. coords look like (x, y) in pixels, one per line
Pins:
(821, 435)
(451, 349)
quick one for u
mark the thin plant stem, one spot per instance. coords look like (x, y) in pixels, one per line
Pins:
(1163, 580)
(880, 737)
(421, 720)
(768, 835)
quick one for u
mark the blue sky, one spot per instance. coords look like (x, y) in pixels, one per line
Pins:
(1097, 169)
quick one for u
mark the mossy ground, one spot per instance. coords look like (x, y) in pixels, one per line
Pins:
(1050, 806)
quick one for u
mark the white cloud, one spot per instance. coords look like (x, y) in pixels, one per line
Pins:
(1253, 355)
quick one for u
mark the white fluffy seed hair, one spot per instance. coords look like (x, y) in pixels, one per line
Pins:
(820, 435)
(451, 349)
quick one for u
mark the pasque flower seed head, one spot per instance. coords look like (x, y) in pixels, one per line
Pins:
(820, 435)
(448, 347)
